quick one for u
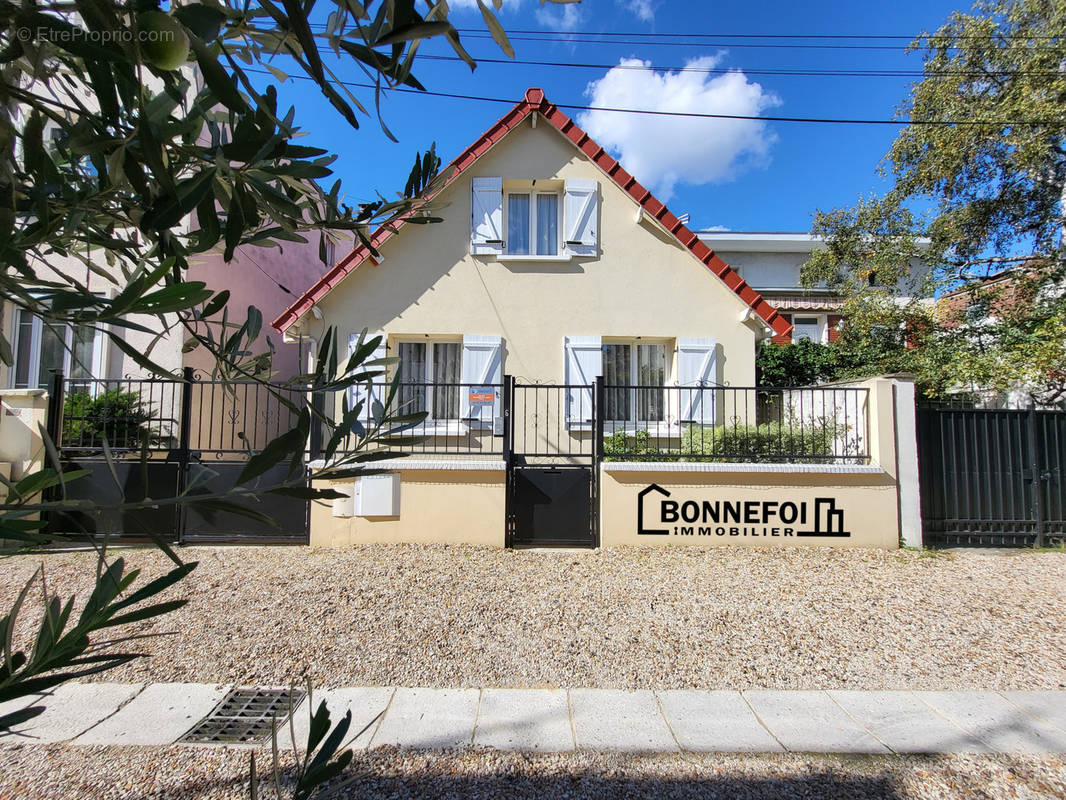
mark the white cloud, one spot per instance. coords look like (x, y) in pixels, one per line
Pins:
(663, 151)
(644, 9)
(716, 229)
(462, 5)
(561, 17)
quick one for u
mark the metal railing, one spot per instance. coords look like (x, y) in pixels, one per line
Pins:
(210, 418)
(737, 424)
(462, 419)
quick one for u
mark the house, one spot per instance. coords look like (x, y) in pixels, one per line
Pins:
(557, 306)
(564, 267)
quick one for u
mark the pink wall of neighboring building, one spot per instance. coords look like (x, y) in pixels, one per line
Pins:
(255, 277)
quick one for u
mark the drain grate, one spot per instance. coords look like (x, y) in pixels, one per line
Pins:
(245, 715)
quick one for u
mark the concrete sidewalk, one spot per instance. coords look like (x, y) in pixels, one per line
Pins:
(757, 721)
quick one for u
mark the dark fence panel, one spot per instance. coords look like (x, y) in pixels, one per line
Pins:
(1051, 432)
(990, 476)
(197, 433)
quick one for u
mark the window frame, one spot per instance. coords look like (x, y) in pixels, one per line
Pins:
(37, 328)
(432, 425)
(820, 321)
(532, 192)
(669, 351)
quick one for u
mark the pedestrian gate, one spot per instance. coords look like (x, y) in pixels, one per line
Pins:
(992, 476)
(553, 442)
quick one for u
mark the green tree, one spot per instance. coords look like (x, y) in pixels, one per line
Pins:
(979, 175)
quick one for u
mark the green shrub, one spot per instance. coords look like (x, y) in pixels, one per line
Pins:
(620, 446)
(772, 441)
(119, 416)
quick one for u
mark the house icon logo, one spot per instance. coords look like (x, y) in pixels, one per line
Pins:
(641, 530)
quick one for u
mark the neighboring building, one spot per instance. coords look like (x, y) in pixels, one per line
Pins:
(771, 263)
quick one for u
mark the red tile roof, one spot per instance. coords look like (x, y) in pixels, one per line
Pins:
(535, 102)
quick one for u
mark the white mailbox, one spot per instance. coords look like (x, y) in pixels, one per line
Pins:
(344, 506)
(377, 495)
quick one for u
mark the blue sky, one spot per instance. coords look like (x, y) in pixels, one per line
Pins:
(740, 176)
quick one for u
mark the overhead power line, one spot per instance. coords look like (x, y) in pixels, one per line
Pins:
(688, 114)
(845, 73)
(826, 36)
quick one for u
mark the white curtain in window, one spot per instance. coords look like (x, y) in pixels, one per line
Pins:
(446, 371)
(412, 399)
(518, 224)
(547, 224)
(651, 373)
(617, 371)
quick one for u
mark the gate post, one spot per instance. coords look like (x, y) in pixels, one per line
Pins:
(56, 401)
(597, 427)
(1037, 482)
(314, 444)
(507, 411)
(184, 432)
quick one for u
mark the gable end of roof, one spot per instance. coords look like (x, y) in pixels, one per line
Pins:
(536, 102)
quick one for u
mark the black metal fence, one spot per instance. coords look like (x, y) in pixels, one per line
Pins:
(197, 433)
(992, 476)
(567, 423)
(737, 424)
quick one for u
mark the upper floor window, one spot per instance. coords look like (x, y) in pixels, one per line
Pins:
(534, 218)
(532, 223)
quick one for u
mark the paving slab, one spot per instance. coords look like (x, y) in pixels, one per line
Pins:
(429, 719)
(905, 724)
(610, 719)
(72, 709)
(1046, 705)
(366, 704)
(998, 722)
(525, 719)
(810, 722)
(715, 722)
(159, 715)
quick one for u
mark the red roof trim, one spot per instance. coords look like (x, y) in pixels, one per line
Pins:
(535, 102)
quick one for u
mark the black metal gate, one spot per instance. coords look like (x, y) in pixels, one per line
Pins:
(199, 436)
(553, 443)
(992, 476)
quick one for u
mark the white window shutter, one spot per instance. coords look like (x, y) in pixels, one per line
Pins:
(696, 367)
(482, 365)
(358, 392)
(584, 363)
(581, 216)
(486, 215)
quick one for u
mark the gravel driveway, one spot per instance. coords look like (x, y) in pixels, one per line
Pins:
(454, 616)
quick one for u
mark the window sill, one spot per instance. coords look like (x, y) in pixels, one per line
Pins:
(513, 257)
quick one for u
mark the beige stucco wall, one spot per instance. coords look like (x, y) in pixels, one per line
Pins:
(443, 506)
(22, 412)
(643, 283)
(867, 500)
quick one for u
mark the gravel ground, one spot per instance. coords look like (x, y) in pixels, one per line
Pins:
(175, 773)
(454, 616)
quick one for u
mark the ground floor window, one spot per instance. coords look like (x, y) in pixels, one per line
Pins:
(429, 378)
(41, 348)
(641, 368)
